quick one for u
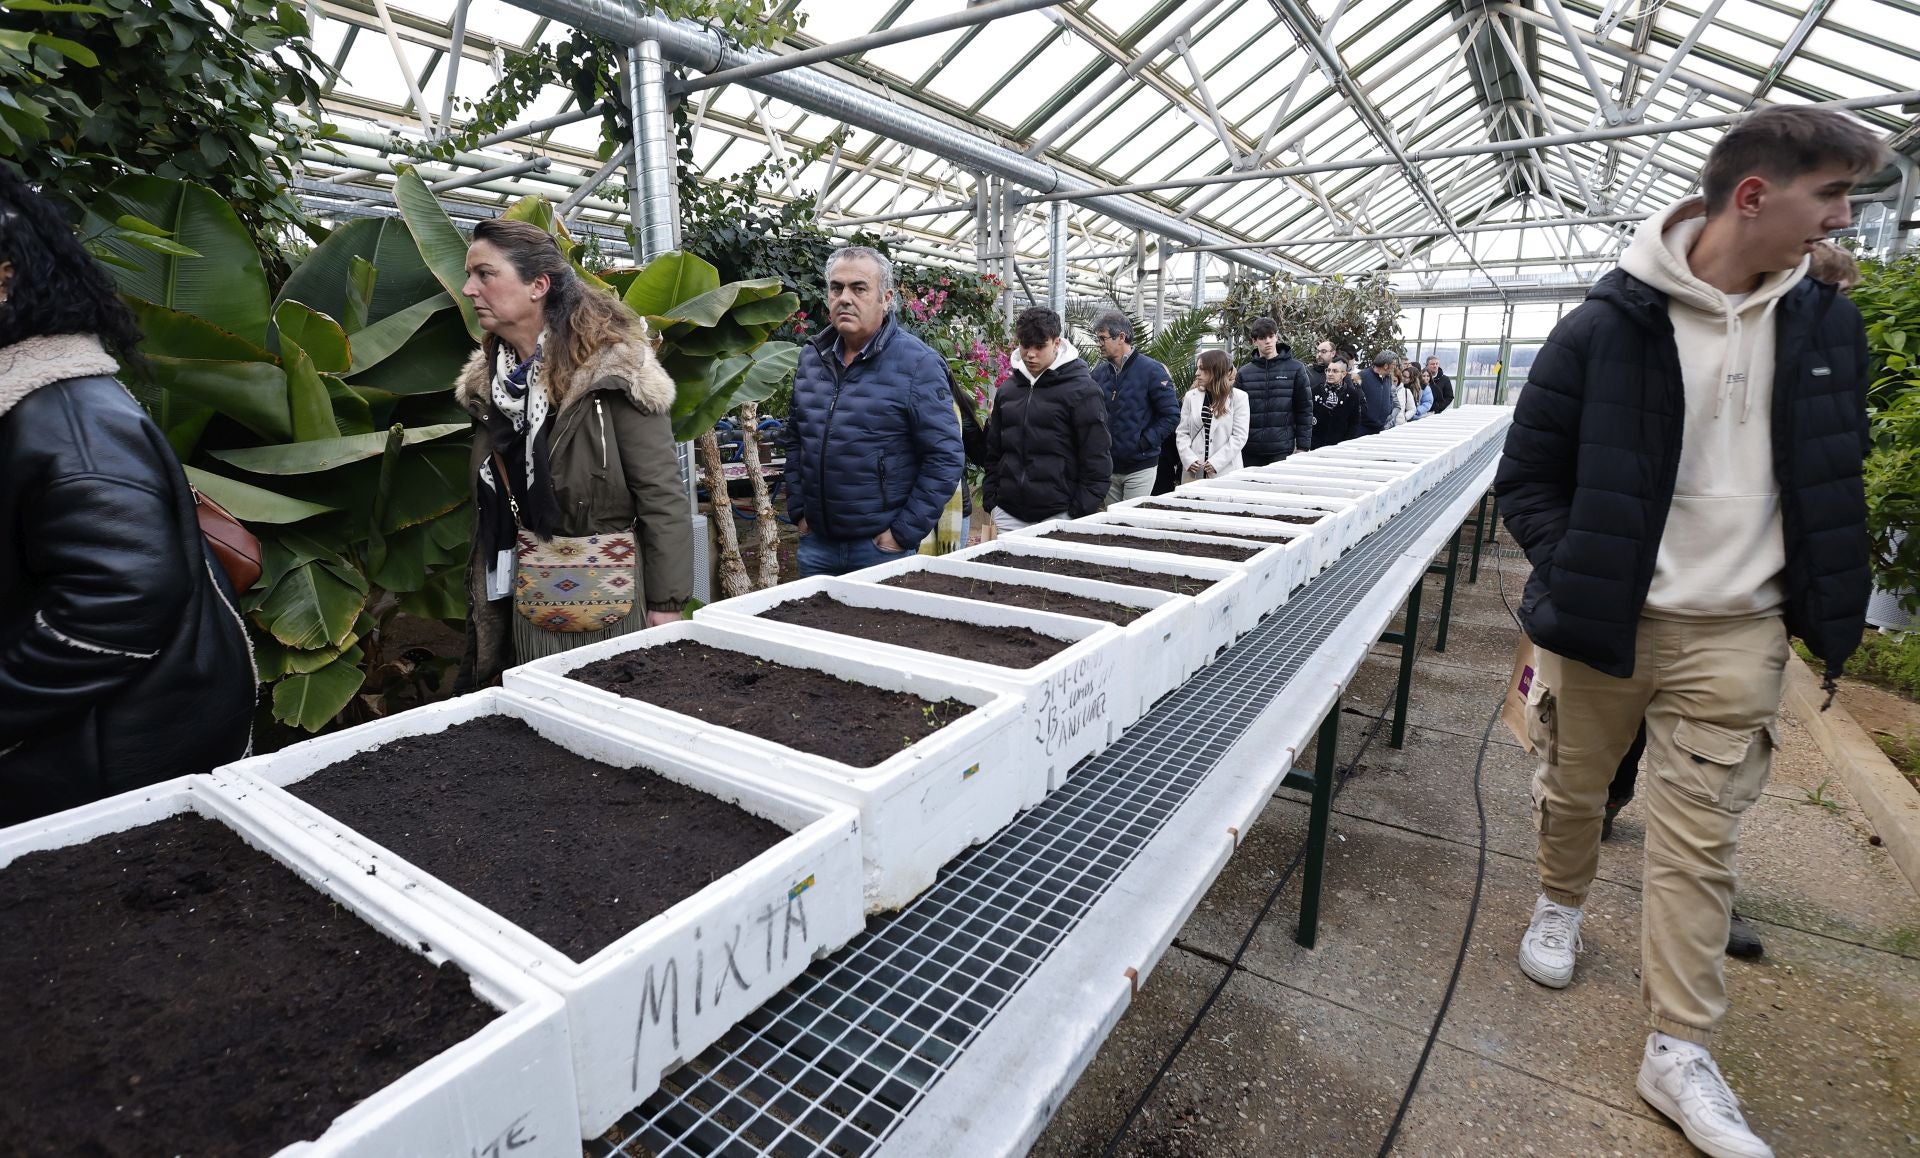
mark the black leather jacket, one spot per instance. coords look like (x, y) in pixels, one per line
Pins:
(122, 659)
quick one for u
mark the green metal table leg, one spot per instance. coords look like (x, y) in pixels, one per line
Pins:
(1479, 536)
(1318, 816)
(1446, 592)
(1409, 644)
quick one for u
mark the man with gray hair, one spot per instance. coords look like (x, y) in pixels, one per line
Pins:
(1142, 407)
(873, 441)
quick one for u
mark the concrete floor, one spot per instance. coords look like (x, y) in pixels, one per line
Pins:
(1310, 1051)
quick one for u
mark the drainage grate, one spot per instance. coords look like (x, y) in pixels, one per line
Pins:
(833, 1063)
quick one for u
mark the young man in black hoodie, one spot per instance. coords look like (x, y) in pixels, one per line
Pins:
(1684, 474)
(1279, 398)
(1048, 452)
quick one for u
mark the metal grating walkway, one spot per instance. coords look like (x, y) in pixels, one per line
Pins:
(830, 1065)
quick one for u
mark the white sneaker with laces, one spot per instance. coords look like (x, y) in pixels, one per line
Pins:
(1683, 1083)
(1550, 944)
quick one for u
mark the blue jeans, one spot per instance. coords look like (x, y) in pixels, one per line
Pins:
(823, 556)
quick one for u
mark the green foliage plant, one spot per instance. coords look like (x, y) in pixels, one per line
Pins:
(322, 416)
(1363, 313)
(1175, 345)
(193, 90)
(1888, 295)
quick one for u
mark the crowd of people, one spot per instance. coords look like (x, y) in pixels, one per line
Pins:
(1683, 473)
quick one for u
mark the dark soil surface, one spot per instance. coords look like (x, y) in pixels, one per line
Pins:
(1005, 646)
(1016, 595)
(1261, 534)
(1169, 546)
(1243, 513)
(171, 990)
(856, 724)
(577, 852)
(1104, 572)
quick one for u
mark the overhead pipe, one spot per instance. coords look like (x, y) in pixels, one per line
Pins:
(654, 195)
(704, 51)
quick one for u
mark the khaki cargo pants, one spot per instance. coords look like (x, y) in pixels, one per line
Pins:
(1709, 692)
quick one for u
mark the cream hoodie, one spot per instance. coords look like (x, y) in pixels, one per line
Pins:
(1723, 552)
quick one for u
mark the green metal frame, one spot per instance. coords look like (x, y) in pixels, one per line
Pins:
(1319, 817)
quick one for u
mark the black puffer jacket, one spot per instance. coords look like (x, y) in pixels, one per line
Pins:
(122, 659)
(1048, 449)
(1592, 457)
(1279, 407)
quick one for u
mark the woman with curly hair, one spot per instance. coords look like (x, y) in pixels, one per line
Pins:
(122, 659)
(582, 529)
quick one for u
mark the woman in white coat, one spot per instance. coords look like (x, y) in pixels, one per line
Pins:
(1213, 420)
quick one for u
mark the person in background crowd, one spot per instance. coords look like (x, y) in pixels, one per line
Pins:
(1378, 406)
(123, 661)
(1279, 399)
(1213, 419)
(1323, 353)
(1048, 452)
(1666, 597)
(1419, 393)
(1142, 409)
(1441, 384)
(874, 447)
(573, 436)
(1336, 406)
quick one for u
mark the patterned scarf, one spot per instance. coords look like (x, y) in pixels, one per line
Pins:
(518, 429)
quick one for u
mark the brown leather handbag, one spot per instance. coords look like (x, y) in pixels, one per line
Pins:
(235, 548)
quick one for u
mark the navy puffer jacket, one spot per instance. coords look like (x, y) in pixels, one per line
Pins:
(873, 446)
(1142, 409)
(1591, 461)
(1279, 406)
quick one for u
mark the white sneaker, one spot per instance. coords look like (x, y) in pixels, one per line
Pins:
(1686, 1086)
(1551, 941)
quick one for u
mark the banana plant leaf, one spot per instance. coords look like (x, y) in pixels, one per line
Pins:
(314, 332)
(254, 394)
(314, 605)
(669, 280)
(750, 377)
(323, 279)
(309, 701)
(252, 504)
(182, 335)
(440, 243)
(225, 285)
(427, 363)
(382, 339)
(325, 454)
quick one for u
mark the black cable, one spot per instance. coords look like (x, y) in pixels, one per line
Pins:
(1233, 965)
(1466, 936)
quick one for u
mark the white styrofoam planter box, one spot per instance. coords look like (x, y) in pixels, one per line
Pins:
(1369, 511)
(1225, 603)
(1162, 648)
(1076, 700)
(1301, 552)
(1440, 461)
(631, 1013)
(1396, 486)
(1327, 536)
(509, 1084)
(1314, 482)
(1357, 519)
(919, 808)
(1267, 570)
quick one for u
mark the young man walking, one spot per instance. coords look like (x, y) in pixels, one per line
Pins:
(1683, 472)
(1279, 397)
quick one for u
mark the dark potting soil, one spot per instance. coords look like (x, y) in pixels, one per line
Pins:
(171, 990)
(577, 852)
(1261, 535)
(856, 724)
(1243, 513)
(1016, 595)
(1005, 646)
(1170, 546)
(1104, 572)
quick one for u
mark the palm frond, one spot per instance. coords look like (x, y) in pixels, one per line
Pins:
(1177, 345)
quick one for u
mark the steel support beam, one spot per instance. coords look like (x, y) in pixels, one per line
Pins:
(1057, 258)
(702, 49)
(1419, 156)
(1660, 79)
(904, 214)
(653, 197)
(965, 18)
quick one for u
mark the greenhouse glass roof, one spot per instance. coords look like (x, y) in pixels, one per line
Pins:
(1306, 105)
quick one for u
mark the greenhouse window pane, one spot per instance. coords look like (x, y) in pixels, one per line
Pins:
(1040, 81)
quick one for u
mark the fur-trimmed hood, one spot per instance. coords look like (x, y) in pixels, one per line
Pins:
(631, 364)
(32, 363)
